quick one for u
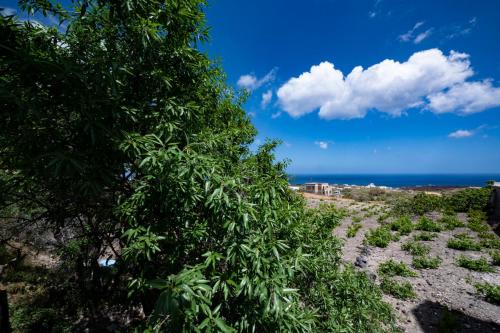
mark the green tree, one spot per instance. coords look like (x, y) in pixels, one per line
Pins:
(119, 132)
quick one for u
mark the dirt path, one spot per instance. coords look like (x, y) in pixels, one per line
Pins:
(445, 296)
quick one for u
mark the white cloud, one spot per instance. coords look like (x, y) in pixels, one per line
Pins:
(266, 98)
(321, 144)
(7, 11)
(427, 80)
(251, 82)
(461, 134)
(466, 98)
(276, 115)
(423, 35)
(454, 31)
(408, 36)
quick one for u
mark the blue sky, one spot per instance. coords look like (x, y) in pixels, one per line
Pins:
(426, 98)
(271, 42)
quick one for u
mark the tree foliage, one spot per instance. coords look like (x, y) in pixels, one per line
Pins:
(122, 138)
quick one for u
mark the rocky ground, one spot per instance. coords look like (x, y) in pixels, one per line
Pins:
(446, 298)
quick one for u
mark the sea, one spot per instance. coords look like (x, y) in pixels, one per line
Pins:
(397, 180)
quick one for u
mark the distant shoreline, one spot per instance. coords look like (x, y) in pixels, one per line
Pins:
(401, 181)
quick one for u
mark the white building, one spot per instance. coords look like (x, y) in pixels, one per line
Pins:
(321, 188)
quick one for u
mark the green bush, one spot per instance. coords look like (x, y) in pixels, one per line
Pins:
(380, 237)
(421, 203)
(425, 236)
(478, 265)
(490, 292)
(353, 229)
(468, 199)
(450, 222)
(426, 224)
(416, 248)
(356, 219)
(463, 242)
(401, 290)
(393, 268)
(403, 225)
(490, 243)
(355, 304)
(477, 221)
(426, 262)
(495, 256)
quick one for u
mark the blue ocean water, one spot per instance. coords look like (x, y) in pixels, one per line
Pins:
(399, 180)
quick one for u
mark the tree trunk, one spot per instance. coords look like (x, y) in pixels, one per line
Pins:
(4, 313)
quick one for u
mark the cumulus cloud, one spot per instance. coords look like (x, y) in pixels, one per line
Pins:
(461, 134)
(266, 98)
(321, 144)
(251, 82)
(466, 98)
(427, 80)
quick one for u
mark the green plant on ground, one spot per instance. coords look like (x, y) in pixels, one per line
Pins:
(401, 290)
(450, 222)
(356, 219)
(353, 229)
(393, 268)
(415, 248)
(355, 304)
(463, 242)
(426, 262)
(477, 221)
(425, 236)
(380, 237)
(478, 265)
(490, 243)
(427, 224)
(468, 199)
(490, 292)
(403, 224)
(382, 218)
(486, 235)
(495, 256)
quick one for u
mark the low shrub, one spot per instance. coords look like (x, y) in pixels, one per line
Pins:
(468, 199)
(421, 203)
(450, 222)
(477, 221)
(380, 237)
(401, 290)
(486, 235)
(478, 265)
(353, 229)
(425, 262)
(426, 224)
(416, 248)
(382, 218)
(355, 304)
(490, 243)
(490, 292)
(463, 242)
(495, 256)
(356, 219)
(425, 236)
(403, 225)
(394, 268)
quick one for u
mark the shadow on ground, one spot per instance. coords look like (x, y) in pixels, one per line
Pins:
(434, 317)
